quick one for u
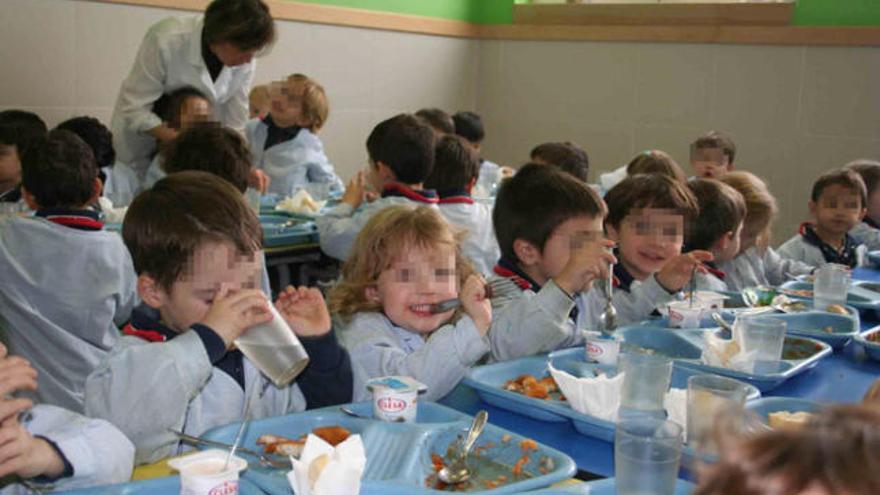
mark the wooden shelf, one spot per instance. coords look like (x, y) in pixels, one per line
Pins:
(705, 14)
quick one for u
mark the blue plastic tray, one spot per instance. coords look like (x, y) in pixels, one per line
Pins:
(874, 258)
(813, 324)
(159, 486)
(766, 405)
(572, 361)
(398, 454)
(607, 486)
(284, 231)
(685, 346)
(856, 296)
(872, 349)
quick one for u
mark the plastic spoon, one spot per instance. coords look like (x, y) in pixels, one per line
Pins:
(458, 471)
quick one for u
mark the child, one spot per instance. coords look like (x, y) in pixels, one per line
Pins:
(214, 149)
(470, 126)
(405, 260)
(837, 453)
(569, 157)
(401, 154)
(837, 204)
(757, 264)
(456, 167)
(712, 155)
(49, 448)
(656, 162)
(17, 129)
(285, 143)
(716, 229)
(867, 232)
(194, 243)
(439, 121)
(67, 284)
(179, 110)
(259, 101)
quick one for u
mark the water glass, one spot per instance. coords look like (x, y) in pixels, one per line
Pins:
(762, 337)
(645, 382)
(647, 454)
(831, 286)
(709, 396)
(274, 349)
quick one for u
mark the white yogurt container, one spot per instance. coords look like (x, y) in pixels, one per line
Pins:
(683, 314)
(202, 473)
(395, 398)
(601, 349)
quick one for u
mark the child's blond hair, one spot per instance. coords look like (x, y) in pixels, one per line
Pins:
(315, 107)
(761, 206)
(387, 235)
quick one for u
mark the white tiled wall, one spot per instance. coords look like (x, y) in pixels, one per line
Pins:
(795, 111)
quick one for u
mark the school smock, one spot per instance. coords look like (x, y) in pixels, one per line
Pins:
(94, 451)
(294, 162)
(545, 318)
(755, 267)
(713, 280)
(156, 379)
(480, 244)
(806, 246)
(338, 228)
(154, 172)
(380, 348)
(122, 185)
(868, 233)
(66, 288)
(170, 57)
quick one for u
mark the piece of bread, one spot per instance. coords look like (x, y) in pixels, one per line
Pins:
(785, 420)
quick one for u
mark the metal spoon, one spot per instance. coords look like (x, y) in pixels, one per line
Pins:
(721, 321)
(457, 472)
(608, 318)
(264, 459)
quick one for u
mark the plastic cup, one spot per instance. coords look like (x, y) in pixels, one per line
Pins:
(683, 314)
(203, 474)
(395, 398)
(709, 396)
(274, 349)
(762, 337)
(647, 454)
(601, 349)
(645, 382)
(831, 286)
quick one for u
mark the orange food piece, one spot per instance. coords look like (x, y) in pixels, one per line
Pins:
(490, 484)
(528, 381)
(550, 383)
(518, 467)
(437, 461)
(528, 444)
(536, 390)
(334, 435)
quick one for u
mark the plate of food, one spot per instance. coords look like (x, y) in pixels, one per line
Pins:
(870, 341)
(856, 296)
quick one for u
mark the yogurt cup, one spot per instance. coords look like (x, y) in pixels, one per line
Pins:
(601, 349)
(202, 473)
(395, 398)
(684, 315)
(710, 300)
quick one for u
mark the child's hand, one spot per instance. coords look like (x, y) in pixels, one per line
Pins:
(676, 273)
(475, 303)
(259, 180)
(26, 456)
(16, 374)
(304, 310)
(355, 191)
(230, 315)
(586, 263)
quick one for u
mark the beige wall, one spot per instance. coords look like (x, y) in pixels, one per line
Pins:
(794, 111)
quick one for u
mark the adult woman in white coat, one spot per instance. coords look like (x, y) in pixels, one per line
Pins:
(213, 53)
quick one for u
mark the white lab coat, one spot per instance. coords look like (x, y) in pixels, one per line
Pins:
(169, 58)
(63, 295)
(98, 452)
(291, 164)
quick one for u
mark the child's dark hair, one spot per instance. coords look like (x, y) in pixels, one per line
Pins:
(568, 156)
(841, 177)
(405, 145)
(869, 170)
(722, 210)
(168, 106)
(456, 165)
(469, 126)
(716, 140)
(59, 170)
(641, 191)
(534, 202)
(97, 136)
(656, 162)
(211, 148)
(439, 120)
(20, 128)
(246, 24)
(165, 225)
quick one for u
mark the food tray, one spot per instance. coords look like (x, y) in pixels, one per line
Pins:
(685, 347)
(766, 405)
(856, 296)
(283, 231)
(608, 486)
(814, 324)
(160, 486)
(872, 349)
(398, 454)
(874, 258)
